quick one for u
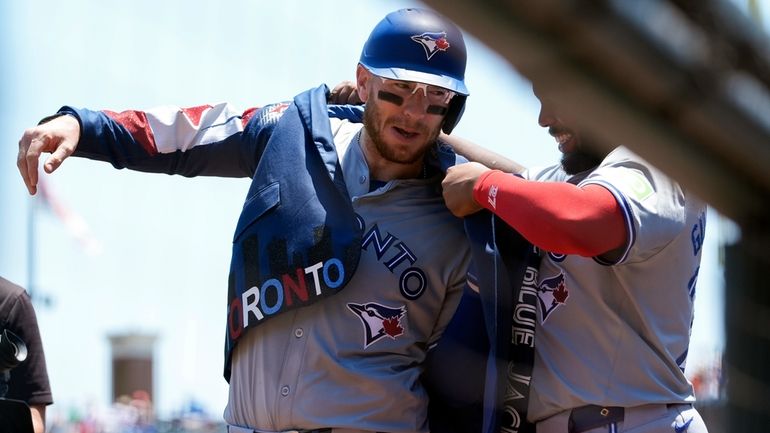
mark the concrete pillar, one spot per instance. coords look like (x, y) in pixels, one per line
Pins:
(132, 364)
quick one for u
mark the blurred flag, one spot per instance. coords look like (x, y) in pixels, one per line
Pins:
(75, 224)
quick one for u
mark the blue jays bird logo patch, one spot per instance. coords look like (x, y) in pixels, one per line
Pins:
(432, 42)
(379, 321)
(552, 292)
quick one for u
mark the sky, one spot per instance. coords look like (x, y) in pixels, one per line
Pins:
(151, 252)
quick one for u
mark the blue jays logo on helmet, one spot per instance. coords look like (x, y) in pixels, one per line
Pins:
(552, 293)
(379, 321)
(432, 42)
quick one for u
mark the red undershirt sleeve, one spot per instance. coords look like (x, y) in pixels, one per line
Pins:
(556, 216)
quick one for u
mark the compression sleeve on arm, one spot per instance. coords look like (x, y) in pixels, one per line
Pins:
(556, 216)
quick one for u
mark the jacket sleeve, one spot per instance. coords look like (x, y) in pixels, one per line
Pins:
(195, 141)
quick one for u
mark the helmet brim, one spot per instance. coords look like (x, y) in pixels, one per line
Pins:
(444, 81)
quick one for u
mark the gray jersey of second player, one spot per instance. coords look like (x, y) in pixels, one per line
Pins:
(333, 364)
(617, 334)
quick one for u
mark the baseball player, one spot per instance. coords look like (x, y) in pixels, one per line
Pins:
(621, 245)
(346, 264)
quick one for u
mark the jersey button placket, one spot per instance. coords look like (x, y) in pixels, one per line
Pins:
(289, 381)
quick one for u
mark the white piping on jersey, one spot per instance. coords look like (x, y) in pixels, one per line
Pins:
(628, 217)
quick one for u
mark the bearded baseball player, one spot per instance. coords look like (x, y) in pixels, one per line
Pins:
(346, 263)
(620, 247)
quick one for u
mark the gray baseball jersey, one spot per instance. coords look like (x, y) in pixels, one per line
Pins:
(617, 333)
(353, 360)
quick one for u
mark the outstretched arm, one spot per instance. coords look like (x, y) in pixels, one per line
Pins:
(204, 140)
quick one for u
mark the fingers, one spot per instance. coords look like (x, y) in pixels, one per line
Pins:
(345, 93)
(458, 186)
(334, 95)
(459, 206)
(59, 137)
(62, 152)
(28, 157)
(352, 96)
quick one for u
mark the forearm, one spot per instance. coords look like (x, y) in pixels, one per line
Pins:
(555, 216)
(473, 152)
(38, 417)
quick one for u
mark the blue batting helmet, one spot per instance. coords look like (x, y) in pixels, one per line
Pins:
(422, 46)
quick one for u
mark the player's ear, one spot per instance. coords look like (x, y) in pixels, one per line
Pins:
(363, 77)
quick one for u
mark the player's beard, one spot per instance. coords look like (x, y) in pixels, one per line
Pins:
(373, 122)
(579, 161)
(582, 158)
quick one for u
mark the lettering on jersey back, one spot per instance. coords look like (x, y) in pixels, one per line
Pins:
(698, 234)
